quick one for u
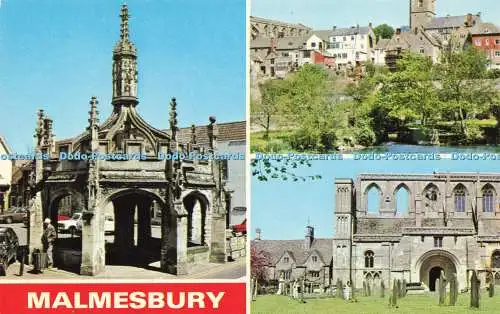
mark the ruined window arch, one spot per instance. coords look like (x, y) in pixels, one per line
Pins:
(488, 198)
(369, 259)
(495, 259)
(402, 199)
(373, 197)
(459, 197)
(431, 196)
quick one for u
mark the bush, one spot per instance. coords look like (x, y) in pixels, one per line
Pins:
(365, 136)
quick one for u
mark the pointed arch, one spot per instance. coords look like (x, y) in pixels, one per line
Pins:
(489, 198)
(460, 197)
(402, 198)
(373, 198)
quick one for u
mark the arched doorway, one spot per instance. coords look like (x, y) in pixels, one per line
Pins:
(132, 237)
(434, 274)
(196, 205)
(432, 263)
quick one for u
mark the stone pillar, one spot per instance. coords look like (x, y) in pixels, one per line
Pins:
(93, 251)
(36, 224)
(144, 221)
(181, 268)
(218, 238)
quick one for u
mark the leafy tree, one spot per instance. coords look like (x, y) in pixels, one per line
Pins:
(383, 31)
(258, 265)
(465, 90)
(268, 108)
(280, 169)
(409, 93)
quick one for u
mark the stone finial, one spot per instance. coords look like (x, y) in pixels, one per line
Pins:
(93, 113)
(40, 128)
(193, 134)
(124, 24)
(212, 132)
(48, 134)
(173, 118)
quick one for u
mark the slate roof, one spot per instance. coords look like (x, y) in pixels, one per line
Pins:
(323, 34)
(285, 43)
(276, 248)
(382, 43)
(230, 131)
(450, 21)
(350, 31)
(485, 29)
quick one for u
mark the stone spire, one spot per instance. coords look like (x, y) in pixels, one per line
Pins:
(173, 118)
(124, 66)
(93, 124)
(213, 132)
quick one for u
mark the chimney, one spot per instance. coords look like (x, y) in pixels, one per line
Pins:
(468, 21)
(334, 27)
(398, 31)
(370, 25)
(309, 237)
(257, 234)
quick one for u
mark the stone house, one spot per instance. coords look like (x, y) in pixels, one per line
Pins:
(309, 258)
(353, 45)
(486, 37)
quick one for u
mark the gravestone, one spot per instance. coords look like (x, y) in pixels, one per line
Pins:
(453, 289)
(474, 292)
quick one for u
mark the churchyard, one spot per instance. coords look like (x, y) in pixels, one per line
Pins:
(374, 299)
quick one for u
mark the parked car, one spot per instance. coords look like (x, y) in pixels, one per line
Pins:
(63, 217)
(109, 225)
(242, 227)
(69, 225)
(9, 245)
(13, 215)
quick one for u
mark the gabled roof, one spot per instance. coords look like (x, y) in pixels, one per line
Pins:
(284, 43)
(348, 31)
(485, 29)
(254, 19)
(276, 249)
(450, 21)
(382, 43)
(322, 34)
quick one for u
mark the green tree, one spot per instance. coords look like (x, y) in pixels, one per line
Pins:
(409, 94)
(383, 31)
(465, 88)
(268, 108)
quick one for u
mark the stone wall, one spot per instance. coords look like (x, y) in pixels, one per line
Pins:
(236, 245)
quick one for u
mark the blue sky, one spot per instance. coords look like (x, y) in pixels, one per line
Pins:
(282, 209)
(57, 54)
(323, 14)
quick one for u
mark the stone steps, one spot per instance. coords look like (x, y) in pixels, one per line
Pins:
(416, 288)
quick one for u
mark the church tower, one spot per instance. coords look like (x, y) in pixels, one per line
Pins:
(124, 66)
(421, 13)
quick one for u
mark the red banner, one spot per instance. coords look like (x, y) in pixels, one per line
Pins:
(110, 298)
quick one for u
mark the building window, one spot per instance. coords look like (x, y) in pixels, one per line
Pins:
(422, 50)
(478, 42)
(314, 274)
(369, 259)
(344, 39)
(438, 241)
(313, 45)
(422, 239)
(462, 35)
(420, 3)
(459, 198)
(495, 259)
(307, 54)
(286, 259)
(487, 42)
(352, 38)
(497, 53)
(488, 199)
(272, 61)
(285, 54)
(314, 259)
(497, 41)
(286, 274)
(344, 55)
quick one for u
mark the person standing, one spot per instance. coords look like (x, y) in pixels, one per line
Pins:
(48, 240)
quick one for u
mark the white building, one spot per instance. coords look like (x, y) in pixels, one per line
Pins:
(351, 45)
(5, 174)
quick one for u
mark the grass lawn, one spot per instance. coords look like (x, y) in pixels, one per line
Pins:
(411, 304)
